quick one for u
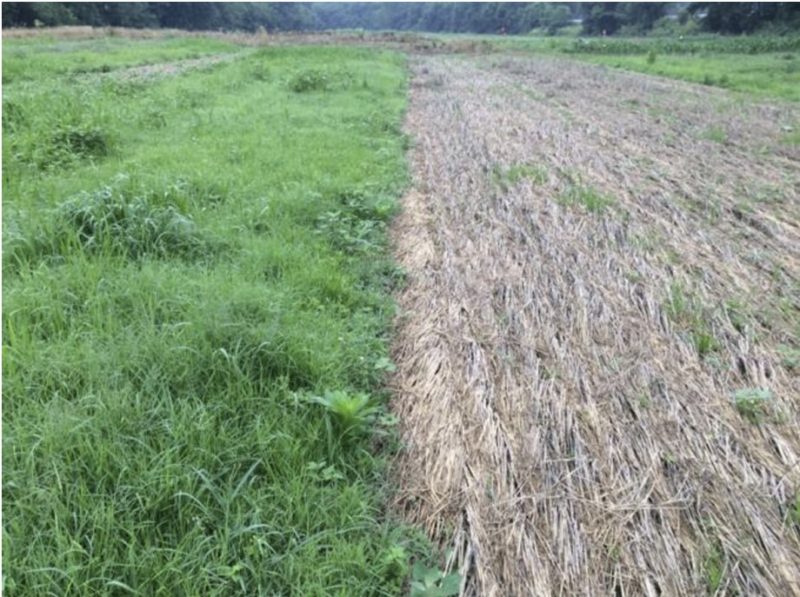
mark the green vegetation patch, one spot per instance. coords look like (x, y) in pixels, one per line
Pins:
(586, 197)
(716, 134)
(794, 510)
(508, 177)
(432, 582)
(790, 357)
(691, 317)
(195, 321)
(753, 403)
(714, 567)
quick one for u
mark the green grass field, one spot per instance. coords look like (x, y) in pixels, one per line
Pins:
(768, 75)
(196, 303)
(36, 59)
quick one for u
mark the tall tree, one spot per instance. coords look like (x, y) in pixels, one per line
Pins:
(746, 17)
(608, 17)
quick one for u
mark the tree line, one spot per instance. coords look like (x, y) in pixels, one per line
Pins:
(192, 16)
(593, 18)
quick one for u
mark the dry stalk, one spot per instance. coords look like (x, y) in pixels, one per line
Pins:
(566, 430)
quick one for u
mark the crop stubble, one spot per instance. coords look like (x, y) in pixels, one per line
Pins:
(563, 433)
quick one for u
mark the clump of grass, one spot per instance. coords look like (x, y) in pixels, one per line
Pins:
(367, 205)
(82, 141)
(506, 177)
(714, 566)
(70, 143)
(790, 357)
(109, 221)
(348, 233)
(586, 197)
(131, 226)
(13, 115)
(352, 413)
(315, 79)
(517, 172)
(794, 510)
(359, 223)
(716, 134)
(395, 564)
(687, 311)
(679, 305)
(309, 80)
(260, 71)
(704, 343)
(752, 403)
(738, 314)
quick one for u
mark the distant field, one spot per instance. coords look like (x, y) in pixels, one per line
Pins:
(195, 314)
(774, 75)
(764, 67)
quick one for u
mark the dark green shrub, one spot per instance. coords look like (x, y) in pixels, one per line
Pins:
(321, 80)
(309, 80)
(68, 144)
(13, 116)
(82, 141)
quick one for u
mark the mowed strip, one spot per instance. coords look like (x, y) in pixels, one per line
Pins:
(597, 363)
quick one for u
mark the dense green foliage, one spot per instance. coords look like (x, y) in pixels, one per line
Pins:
(609, 17)
(747, 17)
(478, 17)
(633, 18)
(195, 310)
(245, 16)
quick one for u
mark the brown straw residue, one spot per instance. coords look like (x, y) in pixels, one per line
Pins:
(598, 262)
